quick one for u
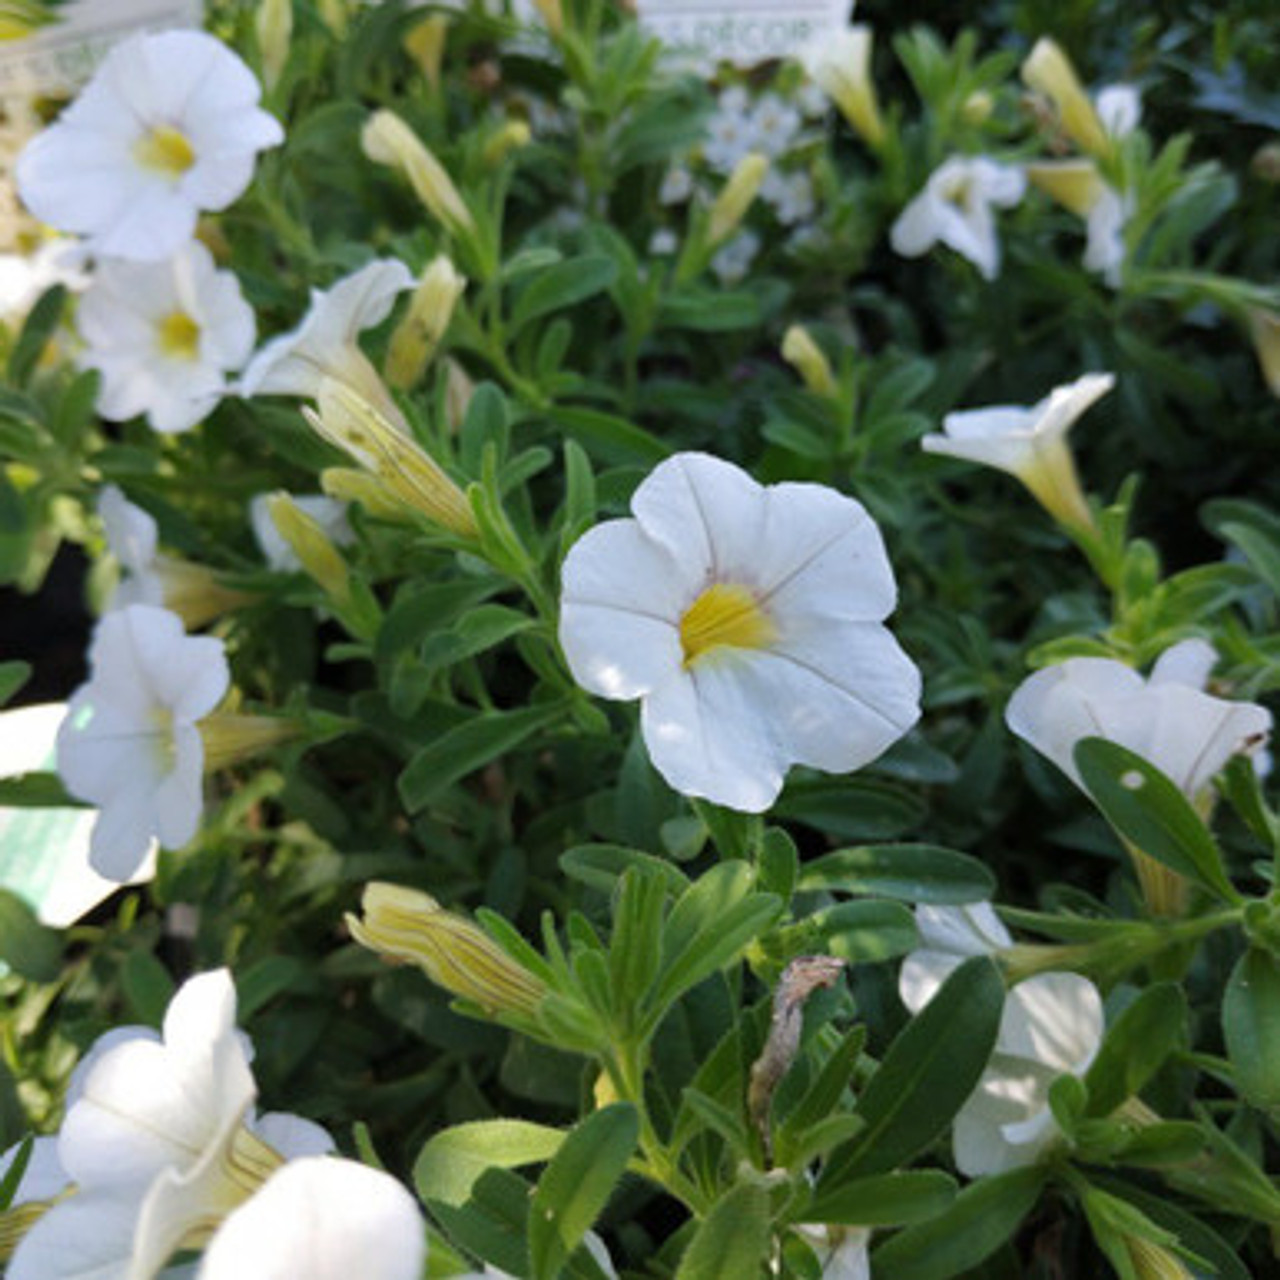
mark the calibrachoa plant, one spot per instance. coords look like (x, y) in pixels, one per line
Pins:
(690, 649)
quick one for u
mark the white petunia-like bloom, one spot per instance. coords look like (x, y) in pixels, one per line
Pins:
(164, 335)
(324, 1218)
(1187, 734)
(1079, 187)
(326, 343)
(129, 743)
(159, 1144)
(748, 620)
(839, 64)
(24, 277)
(1029, 443)
(1052, 1025)
(328, 513)
(168, 126)
(955, 208)
(842, 1251)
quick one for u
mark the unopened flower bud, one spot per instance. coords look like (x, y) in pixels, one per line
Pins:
(194, 593)
(805, 356)
(425, 45)
(404, 924)
(840, 66)
(1048, 71)
(458, 390)
(320, 559)
(1265, 328)
(977, 107)
(229, 737)
(1074, 184)
(1266, 162)
(511, 137)
(736, 196)
(407, 473)
(386, 139)
(334, 14)
(424, 324)
(348, 485)
(552, 14)
(273, 26)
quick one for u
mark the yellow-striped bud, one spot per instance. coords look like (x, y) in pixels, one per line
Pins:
(977, 107)
(1152, 1261)
(230, 737)
(736, 196)
(193, 592)
(552, 14)
(1265, 327)
(424, 324)
(458, 390)
(841, 67)
(1074, 184)
(406, 925)
(386, 139)
(425, 45)
(349, 485)
(308, 541)
(511, 137)
(1048, 71)
(408, 474)
(273, 26)
(335, 15)
(807, 358)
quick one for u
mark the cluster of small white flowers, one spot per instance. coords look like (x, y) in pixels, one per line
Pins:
(161, 1149)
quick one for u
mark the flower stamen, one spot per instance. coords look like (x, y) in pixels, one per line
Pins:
(178, 336)
(166, 150)
(725, 615)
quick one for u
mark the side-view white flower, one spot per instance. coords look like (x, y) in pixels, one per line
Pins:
(842, 1251)
(748, 620)
(1029, 443)
(164, 335)
(840, 65)
(323, 1218)
(1052, 1025)
(1188, 734)
(326, 343)
(1079, 187)
(129, 743)
(168, 126)
(955, 208)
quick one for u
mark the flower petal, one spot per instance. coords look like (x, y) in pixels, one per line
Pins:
(1055, 1019)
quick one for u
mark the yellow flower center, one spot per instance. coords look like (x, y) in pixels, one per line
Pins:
(178, 336)
(724, 615)
(162, 744)
(166, 150)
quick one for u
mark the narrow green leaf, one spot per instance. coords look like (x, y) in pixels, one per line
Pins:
(601, 865)
(577, 1184)
(980, 1219)
(263, 981)
(730, 1242)
(910, 872)
(927, 1073)
(468, 747)
(857, 931)
(147, 986)
(1136, 1046)
(449, 1165)
(610, 438)
(1151, 813)
(561, 285)
(36, 791)
(1251, 1026)
(41, 321)
(13, 675)
(886, 1200)
(26, 946)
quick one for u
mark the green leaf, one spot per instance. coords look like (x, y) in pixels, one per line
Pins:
(468, 747)
(493, 1222)
(601, 865)
(41, 321)
(449, 1165)
(1149, 811)
(886, 1200)
(730, 1243)
(36, 791)
(852, 808)
(271, 976)
(26, 946)
(859, 932)
(1136, 1046)
(1251, 1026)
(611, 439)
(911, 872)
(16, 1171)
(561, 285)
(576, 1185)
(13, 675)
(980, 1219)
(147, 986)
(710, 310)
(927, 1073)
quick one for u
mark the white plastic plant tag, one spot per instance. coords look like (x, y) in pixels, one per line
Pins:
(59, 58)
(741, 31)
(44, 853)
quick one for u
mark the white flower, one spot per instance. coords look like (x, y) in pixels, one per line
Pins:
(677, 185)
(842, 1251)
(163, 336)
(169, 125)
(1119, 107)
(129, 743)
(325, 1219)
(955, 208)
(1029, 443)
(44, 1178)
(328, 513)
(732, 263)
(24, 277)
(1079, 187)
(773, 124)
(789, 194)
(839, 64)
(729, 135)
(1185, 733)
(748, 619)
(159, 1143)
(663, 243)
(1051, 1025)
(326, 343)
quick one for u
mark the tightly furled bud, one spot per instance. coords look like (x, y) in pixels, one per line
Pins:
(1265, 328)
(807, 358)
(425, 45)
(273, 25)
(306, 538)
(841, 67)
(404, 924)
(419, 333)
(736, 196)
(1048, 71)
(386, 139)
(229, 737)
